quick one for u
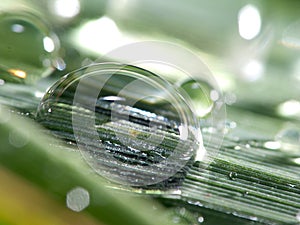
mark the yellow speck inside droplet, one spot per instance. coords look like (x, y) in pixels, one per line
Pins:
(18, 73)
(134, 133)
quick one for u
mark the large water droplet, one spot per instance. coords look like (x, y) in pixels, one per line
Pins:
(131, 126)
(28, 48)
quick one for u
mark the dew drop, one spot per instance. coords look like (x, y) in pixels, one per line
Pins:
(232, 175)
(246, 193)
(26, 42)
(131, 126)
(18, 140)
(200, 219)
(289, 140)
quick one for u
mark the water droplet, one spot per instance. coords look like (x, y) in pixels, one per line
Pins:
(196, 203)
(232, 175)
(200, 219)
(132, 126)
(200, 94)
(26, 42)
(18, 140)
(289, 140)
(246, 193)
(290, 108)
(78, 199)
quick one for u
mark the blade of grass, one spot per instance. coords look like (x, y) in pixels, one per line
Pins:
(27, 153)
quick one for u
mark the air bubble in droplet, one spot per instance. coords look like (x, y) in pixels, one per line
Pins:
(25, 43)
(108, 109)
(232, 175)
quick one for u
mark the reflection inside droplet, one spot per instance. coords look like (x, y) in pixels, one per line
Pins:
(25, 43)
(131, 126)
(201, 94)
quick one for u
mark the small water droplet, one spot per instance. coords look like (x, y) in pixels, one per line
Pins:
(200, 219)
(246, 193)
(196, 203)
(17, 139)
(182, 211)
(232, 175)
(176, 219)
(289, 140)
(25, 43)
(253, 218)
(78, 199)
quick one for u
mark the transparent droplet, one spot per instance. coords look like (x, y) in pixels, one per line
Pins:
(18, 140)
(131, 126)
(201, 94)
(232, 175)
(200, 219)
(289, 140)
(78, 199)
(28, 47)
(246, 193)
